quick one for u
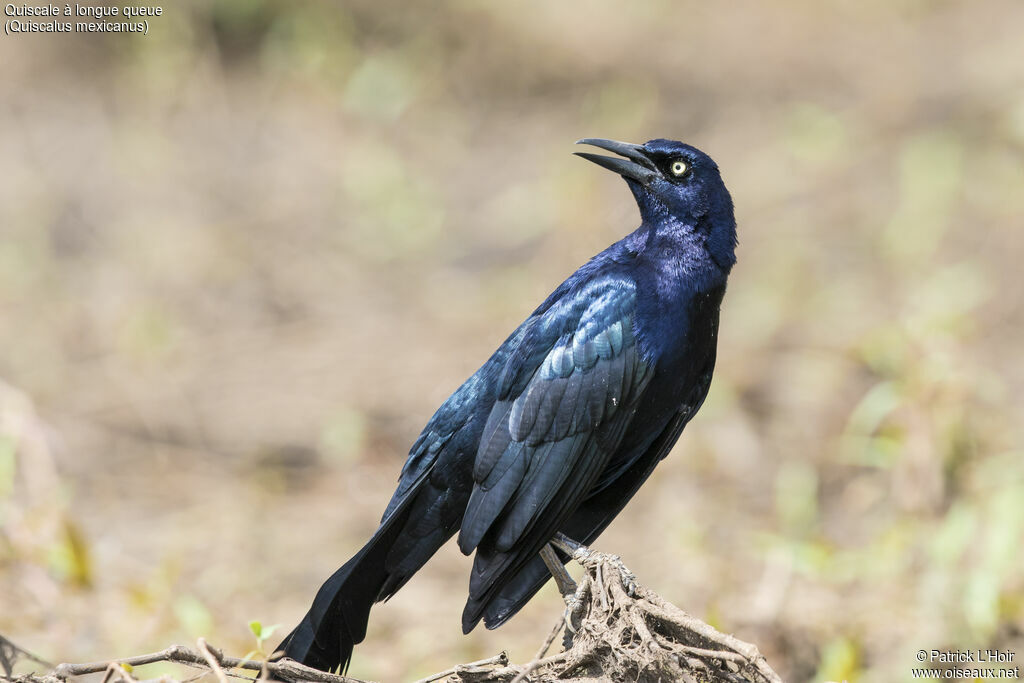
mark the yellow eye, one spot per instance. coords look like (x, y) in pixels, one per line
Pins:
(679, 168)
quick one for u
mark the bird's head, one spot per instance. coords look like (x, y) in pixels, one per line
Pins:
(672, 180)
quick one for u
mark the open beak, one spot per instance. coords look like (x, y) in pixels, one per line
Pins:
(635, 166)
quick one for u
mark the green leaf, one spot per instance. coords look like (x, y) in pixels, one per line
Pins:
(256, 628)
(269, 631)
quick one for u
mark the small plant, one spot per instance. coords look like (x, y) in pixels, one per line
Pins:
(262, 633)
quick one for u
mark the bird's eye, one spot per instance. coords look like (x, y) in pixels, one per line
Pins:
(679, 168)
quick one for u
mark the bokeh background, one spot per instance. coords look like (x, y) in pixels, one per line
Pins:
(243, 259)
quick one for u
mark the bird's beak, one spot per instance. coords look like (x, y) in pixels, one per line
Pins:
(635, 166)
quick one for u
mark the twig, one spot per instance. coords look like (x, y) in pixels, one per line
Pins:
(116, 672)
(500, 659)
(175, 653)
(211, 660)
(285, 669)
(529, 668)
(11, 653)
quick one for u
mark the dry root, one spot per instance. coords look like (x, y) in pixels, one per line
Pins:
(626, 632)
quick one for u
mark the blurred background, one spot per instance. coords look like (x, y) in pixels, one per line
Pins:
(245, 257)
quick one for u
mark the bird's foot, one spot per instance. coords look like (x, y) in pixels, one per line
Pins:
(578, 551)
(575, 606)
(575, 603)
(586, 557)
(598, 566)
(628, 578)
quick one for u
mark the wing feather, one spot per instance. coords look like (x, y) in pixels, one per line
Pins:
(564, 402)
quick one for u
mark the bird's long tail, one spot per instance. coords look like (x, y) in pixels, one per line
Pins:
(337, 619)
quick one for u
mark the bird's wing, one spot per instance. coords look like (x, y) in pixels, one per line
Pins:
(442, 458)
(454, 423)
(564, 400)
(605, 501)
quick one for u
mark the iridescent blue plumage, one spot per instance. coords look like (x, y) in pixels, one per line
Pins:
(561, 426)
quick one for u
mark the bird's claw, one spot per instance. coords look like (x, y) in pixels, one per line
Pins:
(573, 616)
(626, 577)
(571, 619)
(574, 604)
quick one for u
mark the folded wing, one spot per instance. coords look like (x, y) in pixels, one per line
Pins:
(565, 398)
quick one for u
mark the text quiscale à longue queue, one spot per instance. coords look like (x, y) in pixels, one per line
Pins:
(77, 10)
(21, 18)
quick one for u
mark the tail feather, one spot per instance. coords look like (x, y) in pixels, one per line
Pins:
(336, 621)
(513, 595)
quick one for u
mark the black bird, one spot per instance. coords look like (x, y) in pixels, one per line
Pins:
(561, 426)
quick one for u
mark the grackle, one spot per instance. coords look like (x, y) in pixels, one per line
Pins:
(553, 435)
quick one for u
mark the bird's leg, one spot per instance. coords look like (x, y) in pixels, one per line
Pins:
(582, 553)
(577, 551)
(566, 586)
(569, 590)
